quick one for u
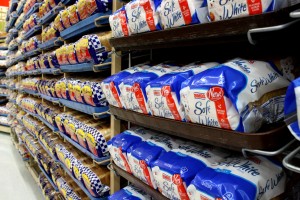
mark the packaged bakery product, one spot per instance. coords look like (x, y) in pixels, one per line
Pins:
(82, 50)
(254, 178)
(61, 55)
(119, 23)
(96, 180)
(180, 13)
(64, 17)
(131, 193)
(87, 8)
(239, 95)
(99, 47)
(133, 87)
(96, 138)
(58, 23)
(110, 85)
(163, 93)
(53, 61)
(71, 55)
(142, 155)
(77, 87)
(178, 167)
(73, 14)
(142, 16)
(222, 10)
(92, 94)
(119, 145)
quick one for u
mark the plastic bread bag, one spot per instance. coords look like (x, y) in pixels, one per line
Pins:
(71, 55)
(92, 94)
(36, 63)
(133, 87)
(142, 16)
(53, 3)
(239, 95)
(53, 61)
(42, 10)
(96, 138)
(96, 181)
(292, 107)
(64, 88)
(71, 85)
(33, 20)
(77, 88)
(44, 63)
(73, 14)
(87, 8)
(178, 167)
(163, 93)
(142, 155)
(82, 50)
(58, 23)
(81, 133)
(61, 55)
(52, 32)
(228, 10)
(238, 178)
(119, 23)
(99, 47)
(130, 193)
(180, 13)
(72, 126)
(120, 143)
(64, 16)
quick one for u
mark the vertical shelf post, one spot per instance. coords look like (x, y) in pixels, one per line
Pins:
(115, 124)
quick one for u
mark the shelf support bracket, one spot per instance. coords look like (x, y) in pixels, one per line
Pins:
(268, 29)
(286, 161)
(267, 153)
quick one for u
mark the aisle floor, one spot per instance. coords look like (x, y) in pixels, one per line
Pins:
(16, 182)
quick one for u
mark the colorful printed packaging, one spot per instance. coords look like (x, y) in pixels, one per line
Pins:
(221, 10)
(174, 13)
(110, 85)
(130, 193)
(238, 178)
(118, 23)
(292, 108)
(119, 145)
(142, 155)
(239, 95)
(142, 16)
(133, 87)
(173, 171)
(163, 93)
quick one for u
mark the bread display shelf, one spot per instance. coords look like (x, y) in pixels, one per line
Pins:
(20, 7)
(33, 93)
(12, 20)
(2, 85)
(20, 24)
(85, 25)
(3, 48)
(53, 71)
(138, 183)
(4, 95)
(48, 177)
(101, 161)
(54, 42)
(13, 6)
(219, 32)
(32, 10)
(51, 99)
(267, 140)
(81, 185)
(3, 115)
(87, 67)
(4, 128)
(32, 53)
(54, 129)
(97, 112)
(32, 31)
(46, 19)
(2, 57)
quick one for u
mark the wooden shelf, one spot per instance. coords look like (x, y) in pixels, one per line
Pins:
(138, 183)
(221, 32)
(268, 140)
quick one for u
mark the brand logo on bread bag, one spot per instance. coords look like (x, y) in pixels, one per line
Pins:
(198, 95)
(215, 93)
(166, 91)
